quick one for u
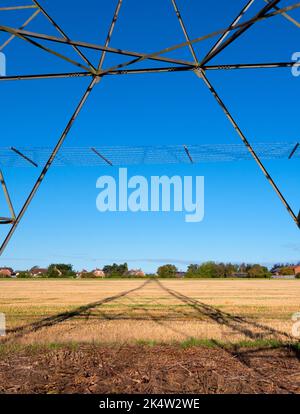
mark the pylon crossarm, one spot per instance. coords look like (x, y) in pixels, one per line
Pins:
(239, 32)
(224, 35)
(169, 69)
(60, 30)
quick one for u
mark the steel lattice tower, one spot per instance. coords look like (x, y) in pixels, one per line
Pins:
(200, 66)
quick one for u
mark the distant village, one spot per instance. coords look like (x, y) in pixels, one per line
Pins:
(39, 272)
(205, 270)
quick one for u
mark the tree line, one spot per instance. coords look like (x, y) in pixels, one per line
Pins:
(207, 270)
(212, 270)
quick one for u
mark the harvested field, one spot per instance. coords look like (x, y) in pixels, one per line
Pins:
(127, 311)
(149, 336)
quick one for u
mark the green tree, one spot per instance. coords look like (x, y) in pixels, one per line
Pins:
(210, 270)
(287, 271)
(192, 269)
(60, 270)
(116, 270)
(258, 271)
(230, 269)
(167, 271)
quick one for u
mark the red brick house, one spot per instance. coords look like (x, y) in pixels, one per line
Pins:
(37, 271)
(6, 271)
(98, 273)
(296, 270)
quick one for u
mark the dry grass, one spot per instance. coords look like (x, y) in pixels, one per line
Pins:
(118, 311)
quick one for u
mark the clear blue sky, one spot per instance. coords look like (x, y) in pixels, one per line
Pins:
(244, 219)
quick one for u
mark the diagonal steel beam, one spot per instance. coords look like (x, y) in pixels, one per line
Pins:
(26, 23)
(190, 46)
(110, 32)
(239, 32)
(223, 37)
(188, 154)
(199, 39)
(17, 8)
(294, 150)
(15, 150)
(287, 16)
(60, 30)
(17, 33)
(7, 196)
(102, 157)
(154, 55)
(91, 46)
(52, 157)
(201, 74)
(48, 165)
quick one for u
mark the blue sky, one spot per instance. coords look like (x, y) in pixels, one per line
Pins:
(244, 219)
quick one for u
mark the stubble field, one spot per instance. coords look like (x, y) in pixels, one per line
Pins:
(130, 311)
(149, 336)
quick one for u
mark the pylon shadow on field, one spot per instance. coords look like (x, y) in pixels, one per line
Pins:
(161, 320)
(236, 323)
(62, 317)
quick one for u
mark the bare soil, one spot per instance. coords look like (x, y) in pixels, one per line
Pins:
(144, 369)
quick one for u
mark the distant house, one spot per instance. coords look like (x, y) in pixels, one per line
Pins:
(180, 275)
(98, 273)
(277, 272)
(6, 272)
(240, 275)
(136, 273)
(37, 271)
(83, 271)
